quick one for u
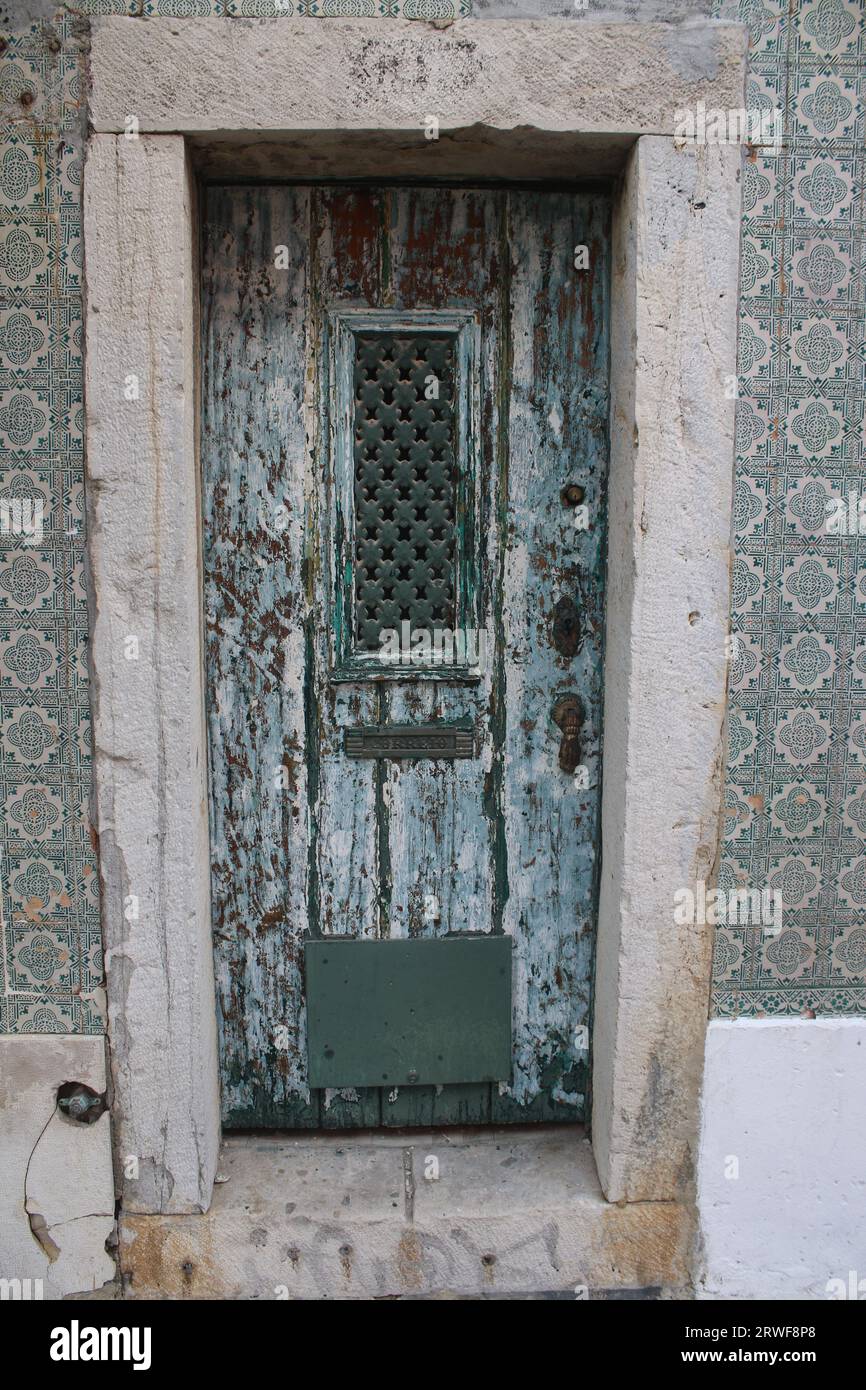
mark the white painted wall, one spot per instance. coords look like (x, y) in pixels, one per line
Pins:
(54, 1171)
(786, 1099)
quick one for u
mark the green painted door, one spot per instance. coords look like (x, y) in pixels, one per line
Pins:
(404, 414)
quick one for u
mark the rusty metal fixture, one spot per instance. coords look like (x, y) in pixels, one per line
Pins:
(80, 1102)
(565, 628)
(572, 495)
(409, 741)
(567, 715)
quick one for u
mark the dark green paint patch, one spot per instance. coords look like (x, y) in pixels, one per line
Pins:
(406, 1013)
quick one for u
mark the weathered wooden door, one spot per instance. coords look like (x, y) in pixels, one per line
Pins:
(404, 451)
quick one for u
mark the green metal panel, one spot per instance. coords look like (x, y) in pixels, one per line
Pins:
(404, 1013)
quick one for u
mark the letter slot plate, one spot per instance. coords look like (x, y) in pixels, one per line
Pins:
(409, 741)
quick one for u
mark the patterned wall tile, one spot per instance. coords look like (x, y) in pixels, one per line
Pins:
(827, 29)
(795, 774)
(49, 913)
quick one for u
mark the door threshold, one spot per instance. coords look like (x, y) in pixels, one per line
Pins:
(423, 1213)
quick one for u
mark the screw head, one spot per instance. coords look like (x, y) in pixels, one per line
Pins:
(572, 494)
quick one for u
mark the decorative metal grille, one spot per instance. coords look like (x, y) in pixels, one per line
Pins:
(405, 484)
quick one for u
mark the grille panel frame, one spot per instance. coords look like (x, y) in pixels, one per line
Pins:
(403, 528)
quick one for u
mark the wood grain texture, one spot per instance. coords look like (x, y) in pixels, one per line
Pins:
(505, 842)
(557, 413)
(254, 448)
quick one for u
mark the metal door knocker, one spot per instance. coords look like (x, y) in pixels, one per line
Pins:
(567, 714)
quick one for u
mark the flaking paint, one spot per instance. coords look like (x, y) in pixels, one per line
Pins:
(506, 841)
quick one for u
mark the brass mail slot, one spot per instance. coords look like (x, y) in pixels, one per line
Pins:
(410, 741)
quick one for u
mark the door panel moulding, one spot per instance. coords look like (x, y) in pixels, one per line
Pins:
(202, 104)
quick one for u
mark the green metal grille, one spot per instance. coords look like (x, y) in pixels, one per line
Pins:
(405, 484)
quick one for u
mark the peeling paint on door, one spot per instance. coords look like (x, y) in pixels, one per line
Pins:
(308, 842)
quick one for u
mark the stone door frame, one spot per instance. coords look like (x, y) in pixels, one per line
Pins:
(284, 98)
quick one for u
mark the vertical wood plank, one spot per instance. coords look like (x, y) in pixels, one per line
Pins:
(253, 450)
(349, 866)
(557, 414)
(443, 253)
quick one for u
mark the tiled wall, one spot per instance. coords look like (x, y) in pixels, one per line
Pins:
(52, 962)
(796, 785)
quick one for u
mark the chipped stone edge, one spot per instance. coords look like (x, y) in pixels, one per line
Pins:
(150, 759)
(673, 344)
